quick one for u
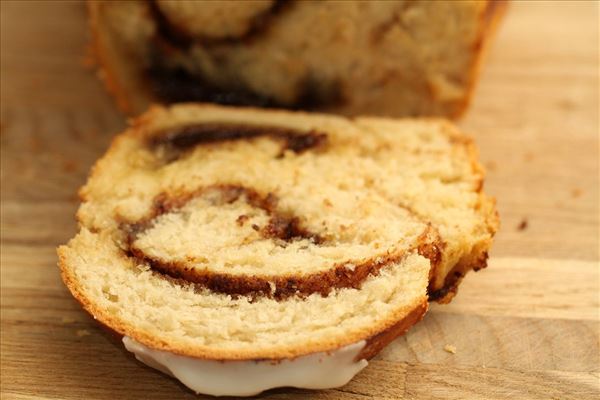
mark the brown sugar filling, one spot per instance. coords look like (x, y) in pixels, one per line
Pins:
(178, 37)
(171, 84)
(179, 139)
(280, 227)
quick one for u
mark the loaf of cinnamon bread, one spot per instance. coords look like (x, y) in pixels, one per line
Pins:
(395, 58)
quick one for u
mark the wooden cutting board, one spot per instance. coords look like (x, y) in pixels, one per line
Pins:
(526, 327)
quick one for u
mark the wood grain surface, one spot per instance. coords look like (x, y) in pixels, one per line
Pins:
(527, 327)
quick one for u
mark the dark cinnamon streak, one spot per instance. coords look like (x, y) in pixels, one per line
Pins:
(184, 137)
(167, 32)
(281, 227)
(178, 37)
(278, 287)
(453, 279)
(172, 84)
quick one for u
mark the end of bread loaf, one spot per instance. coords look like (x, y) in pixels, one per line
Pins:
(390, 58)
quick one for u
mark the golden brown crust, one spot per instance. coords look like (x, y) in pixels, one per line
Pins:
(377, 342)
(113, 61)
(474, 261)
(455, 276)
(106, 72)
(373, 345)
(443, 292)
(489, 21)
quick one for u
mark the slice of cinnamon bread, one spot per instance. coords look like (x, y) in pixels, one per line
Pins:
(240, 234)
(395, 58)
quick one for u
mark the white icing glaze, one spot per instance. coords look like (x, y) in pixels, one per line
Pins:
(248, 378)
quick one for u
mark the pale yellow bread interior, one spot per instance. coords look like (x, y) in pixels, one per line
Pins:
(169, 316)
(348, 233)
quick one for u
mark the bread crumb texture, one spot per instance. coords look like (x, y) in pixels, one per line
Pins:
(450, 348)
(167, 248)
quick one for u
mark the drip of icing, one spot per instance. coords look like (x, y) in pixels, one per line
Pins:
(247, 378)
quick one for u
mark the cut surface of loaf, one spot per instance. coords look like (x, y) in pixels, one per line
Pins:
(395, 58)
(239, 234)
